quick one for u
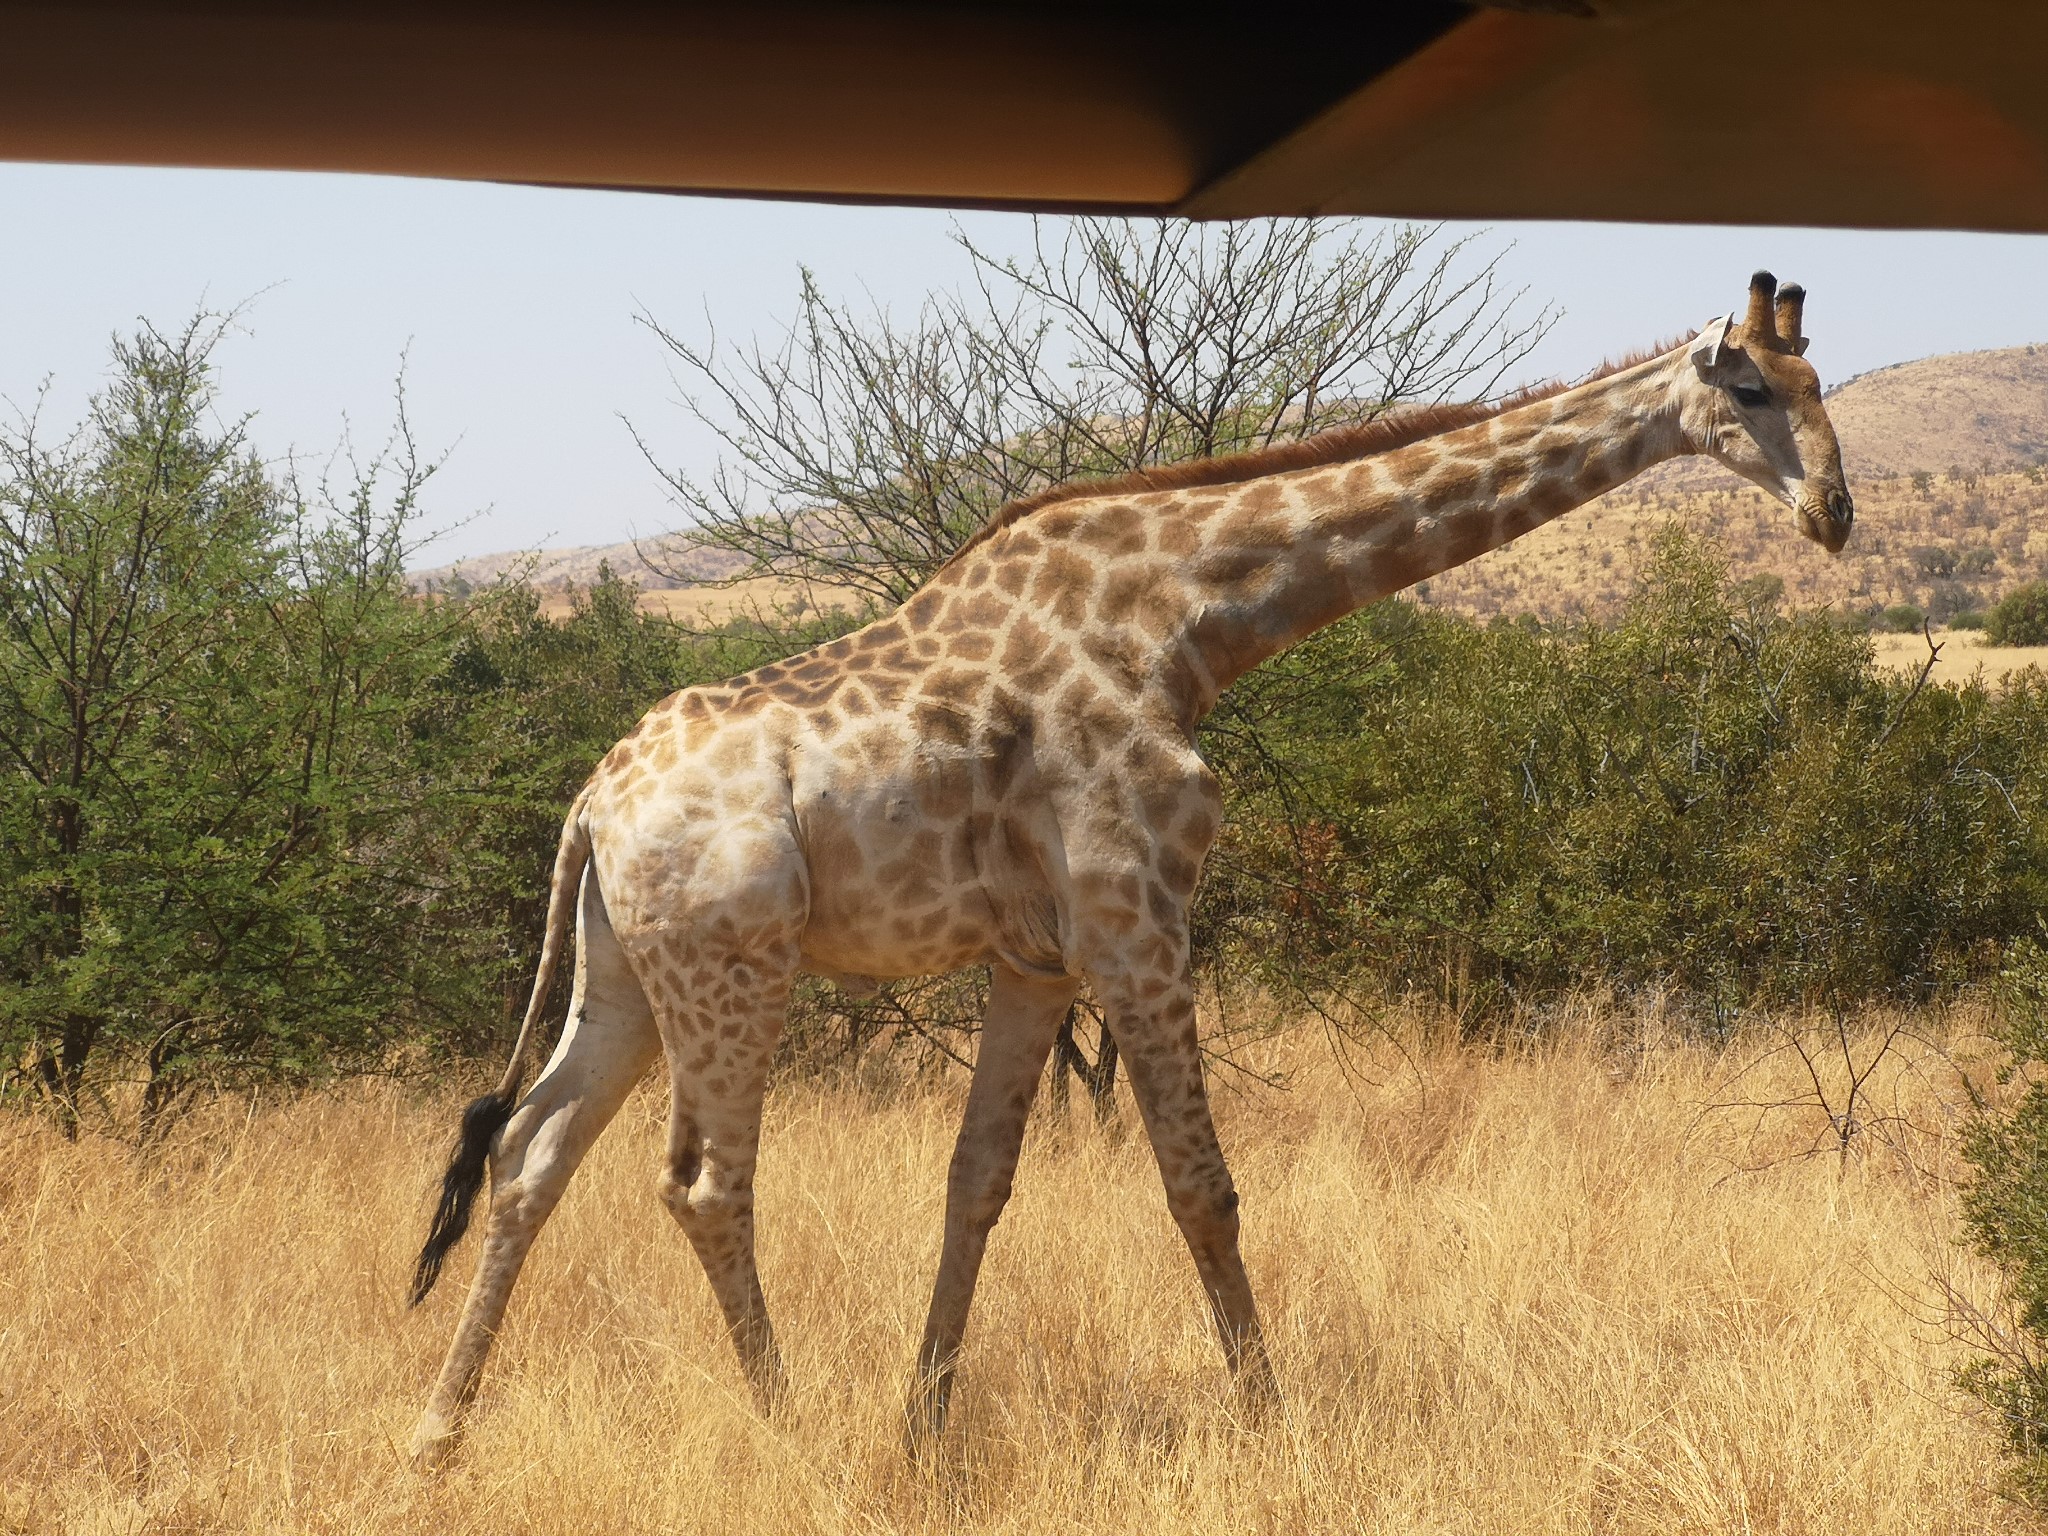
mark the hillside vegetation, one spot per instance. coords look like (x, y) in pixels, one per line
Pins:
(1979, 411)
(1946, 458)
(1948, 545)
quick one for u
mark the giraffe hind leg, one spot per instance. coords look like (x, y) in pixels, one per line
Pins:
(718, 979)
(718, 1076)
(606, 1046)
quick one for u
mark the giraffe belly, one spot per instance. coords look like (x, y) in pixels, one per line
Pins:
(892, 894)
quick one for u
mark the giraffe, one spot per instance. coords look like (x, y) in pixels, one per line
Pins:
(1003, 772)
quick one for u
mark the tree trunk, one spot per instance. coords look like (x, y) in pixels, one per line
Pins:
(1101, 1080)
(62, 1072)
(1098, 1076)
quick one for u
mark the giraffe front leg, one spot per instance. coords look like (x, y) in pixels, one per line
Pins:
(1023, 1015)
(1156, 1037)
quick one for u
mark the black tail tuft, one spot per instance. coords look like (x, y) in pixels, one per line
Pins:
(484, 1118)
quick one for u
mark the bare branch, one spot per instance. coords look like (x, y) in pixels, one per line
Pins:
(859, 450)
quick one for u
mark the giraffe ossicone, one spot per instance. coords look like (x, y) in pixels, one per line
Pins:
(1003, 772)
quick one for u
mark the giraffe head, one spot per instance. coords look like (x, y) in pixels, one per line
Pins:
(1754, 403)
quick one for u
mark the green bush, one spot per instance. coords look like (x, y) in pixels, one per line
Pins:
(1903, 618)
(264, 815)
(1729, 802)
(2005, 1212)
(1972, 620)
(2021, 617)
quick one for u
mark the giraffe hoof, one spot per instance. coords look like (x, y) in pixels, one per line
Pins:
(434, 1444)
(1255, 1389)
(924, 1422)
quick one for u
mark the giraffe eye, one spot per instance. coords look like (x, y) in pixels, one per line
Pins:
(1744, 395)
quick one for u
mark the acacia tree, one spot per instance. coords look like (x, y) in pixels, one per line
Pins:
(214, 812)
(860, 452)
(123, 558)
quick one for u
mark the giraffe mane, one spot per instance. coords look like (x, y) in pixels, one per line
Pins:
(1383, 434)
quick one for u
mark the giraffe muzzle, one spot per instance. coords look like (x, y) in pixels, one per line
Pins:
(1841, 517)
(1828, 519)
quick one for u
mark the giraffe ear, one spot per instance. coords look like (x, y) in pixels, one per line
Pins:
(1707, 347)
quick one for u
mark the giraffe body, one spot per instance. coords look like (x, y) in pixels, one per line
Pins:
(1003, 772)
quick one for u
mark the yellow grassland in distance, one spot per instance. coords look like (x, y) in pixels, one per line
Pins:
(1532, 1291)
(1963, 655)
(757, 597)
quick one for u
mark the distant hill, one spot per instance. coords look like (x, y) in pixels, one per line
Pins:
(1968, 410)
(1955, 546)
(658, 564)
(1948, 457)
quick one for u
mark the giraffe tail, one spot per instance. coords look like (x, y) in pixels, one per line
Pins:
(485, 1117)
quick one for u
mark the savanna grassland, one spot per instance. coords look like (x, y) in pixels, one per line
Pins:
(272, 837)
(1567, 1288)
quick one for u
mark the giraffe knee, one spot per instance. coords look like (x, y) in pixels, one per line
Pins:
(715, 1203)
(678, 1174)
(703, 1203)
(517, 1206)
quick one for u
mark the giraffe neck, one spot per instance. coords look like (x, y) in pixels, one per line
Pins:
(1288, 554)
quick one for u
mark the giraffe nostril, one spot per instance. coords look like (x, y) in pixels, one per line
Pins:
(1841, 507)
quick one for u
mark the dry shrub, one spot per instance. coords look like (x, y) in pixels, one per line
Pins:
(1516, 1290)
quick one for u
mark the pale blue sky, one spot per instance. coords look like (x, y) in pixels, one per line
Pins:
(517, 306)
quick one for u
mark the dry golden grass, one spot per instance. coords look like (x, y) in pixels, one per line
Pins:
(1963, 655)
(763, 597)
(1521, 1293)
